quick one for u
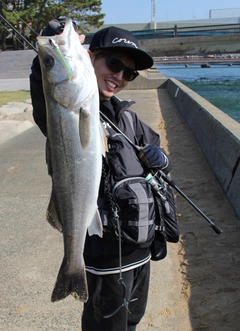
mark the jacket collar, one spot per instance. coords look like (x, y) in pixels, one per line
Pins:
(114, 108)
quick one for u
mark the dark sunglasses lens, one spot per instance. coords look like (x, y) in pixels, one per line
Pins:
(116, 65)
(129, 74)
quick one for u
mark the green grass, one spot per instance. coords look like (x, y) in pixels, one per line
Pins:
(13, 96)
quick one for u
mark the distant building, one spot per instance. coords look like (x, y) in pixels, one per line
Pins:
(224, 13)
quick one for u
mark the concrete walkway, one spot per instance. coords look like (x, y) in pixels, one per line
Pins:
(32, 250)
(15, 118)
(195, 288)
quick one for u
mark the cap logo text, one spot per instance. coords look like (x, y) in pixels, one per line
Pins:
(119, 40)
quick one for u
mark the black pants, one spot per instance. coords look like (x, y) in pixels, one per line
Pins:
(106, 295)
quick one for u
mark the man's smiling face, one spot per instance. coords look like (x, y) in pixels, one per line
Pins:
(110, 83)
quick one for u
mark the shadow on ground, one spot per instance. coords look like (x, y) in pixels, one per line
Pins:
(209, 263)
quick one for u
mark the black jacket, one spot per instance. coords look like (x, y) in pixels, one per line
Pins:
(101, 254)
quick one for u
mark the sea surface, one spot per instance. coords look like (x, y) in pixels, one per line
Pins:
(219, 84)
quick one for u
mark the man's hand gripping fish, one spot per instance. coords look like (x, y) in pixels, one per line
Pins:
(74, 153)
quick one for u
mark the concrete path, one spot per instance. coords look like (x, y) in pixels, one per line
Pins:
(195, 288)
(15, 118)
(32, 250)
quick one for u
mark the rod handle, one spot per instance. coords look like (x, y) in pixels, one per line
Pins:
(216, 229)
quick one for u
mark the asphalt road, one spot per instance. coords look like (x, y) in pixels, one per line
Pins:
(15, 69)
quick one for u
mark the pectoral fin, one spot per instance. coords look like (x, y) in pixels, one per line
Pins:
(103, 140)
(84, 128)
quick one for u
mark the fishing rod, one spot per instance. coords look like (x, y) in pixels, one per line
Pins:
(17, 14)
(172, 184)
(18, 33)
(17, 37)
(167, 179)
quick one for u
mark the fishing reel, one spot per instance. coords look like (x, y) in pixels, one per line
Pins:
(159, 187)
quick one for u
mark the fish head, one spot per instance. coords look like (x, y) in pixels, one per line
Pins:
(67, 72)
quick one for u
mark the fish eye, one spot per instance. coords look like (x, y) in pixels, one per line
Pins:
(48, 61)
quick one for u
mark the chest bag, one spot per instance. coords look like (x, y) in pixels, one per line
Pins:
(128, 194)
(131, 198)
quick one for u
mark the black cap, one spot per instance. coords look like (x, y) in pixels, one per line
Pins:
(114, 38)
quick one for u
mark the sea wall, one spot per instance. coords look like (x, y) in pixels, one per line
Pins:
(147, 79)
(217, 134)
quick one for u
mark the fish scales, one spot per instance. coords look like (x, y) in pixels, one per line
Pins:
(74, 153)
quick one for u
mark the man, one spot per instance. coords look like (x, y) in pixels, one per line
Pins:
(118, 280)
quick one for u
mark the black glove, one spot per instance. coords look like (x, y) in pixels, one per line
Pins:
(56, 26)
(151, 156)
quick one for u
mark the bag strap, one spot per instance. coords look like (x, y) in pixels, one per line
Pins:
(116, 128)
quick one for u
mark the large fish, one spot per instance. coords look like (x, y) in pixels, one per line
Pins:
(74, 152)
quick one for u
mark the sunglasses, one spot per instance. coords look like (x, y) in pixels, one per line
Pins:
(115, 65)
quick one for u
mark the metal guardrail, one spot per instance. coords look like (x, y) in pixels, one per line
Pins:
(190, 31)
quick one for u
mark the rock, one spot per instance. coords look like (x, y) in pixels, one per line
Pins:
(11, 128)
(5, 110)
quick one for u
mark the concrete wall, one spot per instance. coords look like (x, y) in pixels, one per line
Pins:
(217, 134)
(147, 79)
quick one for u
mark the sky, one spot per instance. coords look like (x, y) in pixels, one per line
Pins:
(139, 11)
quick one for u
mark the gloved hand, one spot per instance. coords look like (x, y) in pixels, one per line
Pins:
(151, 156)
(56, 26)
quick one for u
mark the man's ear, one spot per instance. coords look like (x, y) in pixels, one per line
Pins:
(81, 38)
(91, 55)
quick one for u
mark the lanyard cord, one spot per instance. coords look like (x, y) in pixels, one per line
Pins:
(114, 215)
(116, 223)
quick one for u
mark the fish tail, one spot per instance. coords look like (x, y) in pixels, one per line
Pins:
(75, 284)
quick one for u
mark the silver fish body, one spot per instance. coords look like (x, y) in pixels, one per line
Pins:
(74, 153)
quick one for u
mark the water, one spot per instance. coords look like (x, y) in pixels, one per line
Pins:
(219, 84)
